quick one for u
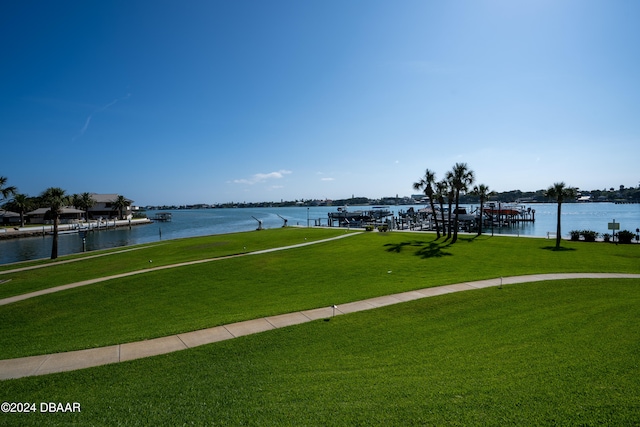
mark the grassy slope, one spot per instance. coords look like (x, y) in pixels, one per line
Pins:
(549, 353)
(161, 253)
(194, 297)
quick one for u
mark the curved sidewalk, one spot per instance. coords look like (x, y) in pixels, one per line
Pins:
(72, 360)
(16, 298)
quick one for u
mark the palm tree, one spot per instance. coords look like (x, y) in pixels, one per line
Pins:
(85, 201)
(462, 178)
(560, 192)
(5, 192)
(426, 184)
(482, 191)
(441, 192)
(451, 196)
(56, 199)
(21, 203)
(119, 204)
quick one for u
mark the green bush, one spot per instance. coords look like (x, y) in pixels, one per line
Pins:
(589, 235)
(625, 236)
(368, 228)
(575, 235)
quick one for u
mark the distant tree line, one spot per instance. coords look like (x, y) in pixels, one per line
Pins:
(629, 195)
(622, 194)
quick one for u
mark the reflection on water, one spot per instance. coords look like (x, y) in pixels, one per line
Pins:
(190, 223)
(29, 248)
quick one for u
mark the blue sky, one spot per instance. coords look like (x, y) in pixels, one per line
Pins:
(182, 102)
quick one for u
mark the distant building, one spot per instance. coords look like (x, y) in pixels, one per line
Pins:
(104, 207)
(68, 215)
(8, 217)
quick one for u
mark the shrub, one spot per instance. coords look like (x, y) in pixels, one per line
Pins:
(589, 235)
(607, 237)
(625, 236)
(575, 235)
(368, 228)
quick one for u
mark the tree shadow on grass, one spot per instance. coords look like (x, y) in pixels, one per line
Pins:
(426, 249)
(398, 247)
(560, 249)
(432, 250)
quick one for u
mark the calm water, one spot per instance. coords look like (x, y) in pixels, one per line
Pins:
(190, 223)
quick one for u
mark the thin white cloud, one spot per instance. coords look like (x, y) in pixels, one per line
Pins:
(327, 179)
(262, 177)
(86, 123)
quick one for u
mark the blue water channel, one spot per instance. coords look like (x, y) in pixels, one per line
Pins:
(201, 222)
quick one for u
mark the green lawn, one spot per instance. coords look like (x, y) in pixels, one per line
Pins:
(188, 298)
(547, 353)
(122, 260)
(562, 353)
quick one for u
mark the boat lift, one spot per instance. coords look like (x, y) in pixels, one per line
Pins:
(284, 219)
(259, 222)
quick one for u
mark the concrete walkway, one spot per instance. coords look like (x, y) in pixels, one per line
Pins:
(16, 298)
(72, 360)
(92, 225)
(60, 261)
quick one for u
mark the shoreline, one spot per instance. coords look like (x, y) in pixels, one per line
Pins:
(47, 229)
(202, 222)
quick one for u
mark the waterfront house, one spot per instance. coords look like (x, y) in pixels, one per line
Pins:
(68, 215)
(104, 209)
(8, 217)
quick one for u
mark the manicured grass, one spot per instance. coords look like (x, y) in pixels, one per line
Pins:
(548, 353)
(123, 260)
(204, 295)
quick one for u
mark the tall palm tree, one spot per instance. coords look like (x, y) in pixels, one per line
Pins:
(560, 192)
(21, 203)
(451, 196)
(426, 184)
(56, 199)
(441, 192)
(119, 204)
(451, 193)
(462, 178)
(482, 191)
(6, 192)
(85, 201)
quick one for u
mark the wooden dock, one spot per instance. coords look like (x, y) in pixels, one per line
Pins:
(162, 217)
(508, 214)
(345, 218)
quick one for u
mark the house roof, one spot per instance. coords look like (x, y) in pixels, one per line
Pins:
(107, 198)
(65, 210)
(8, 214)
